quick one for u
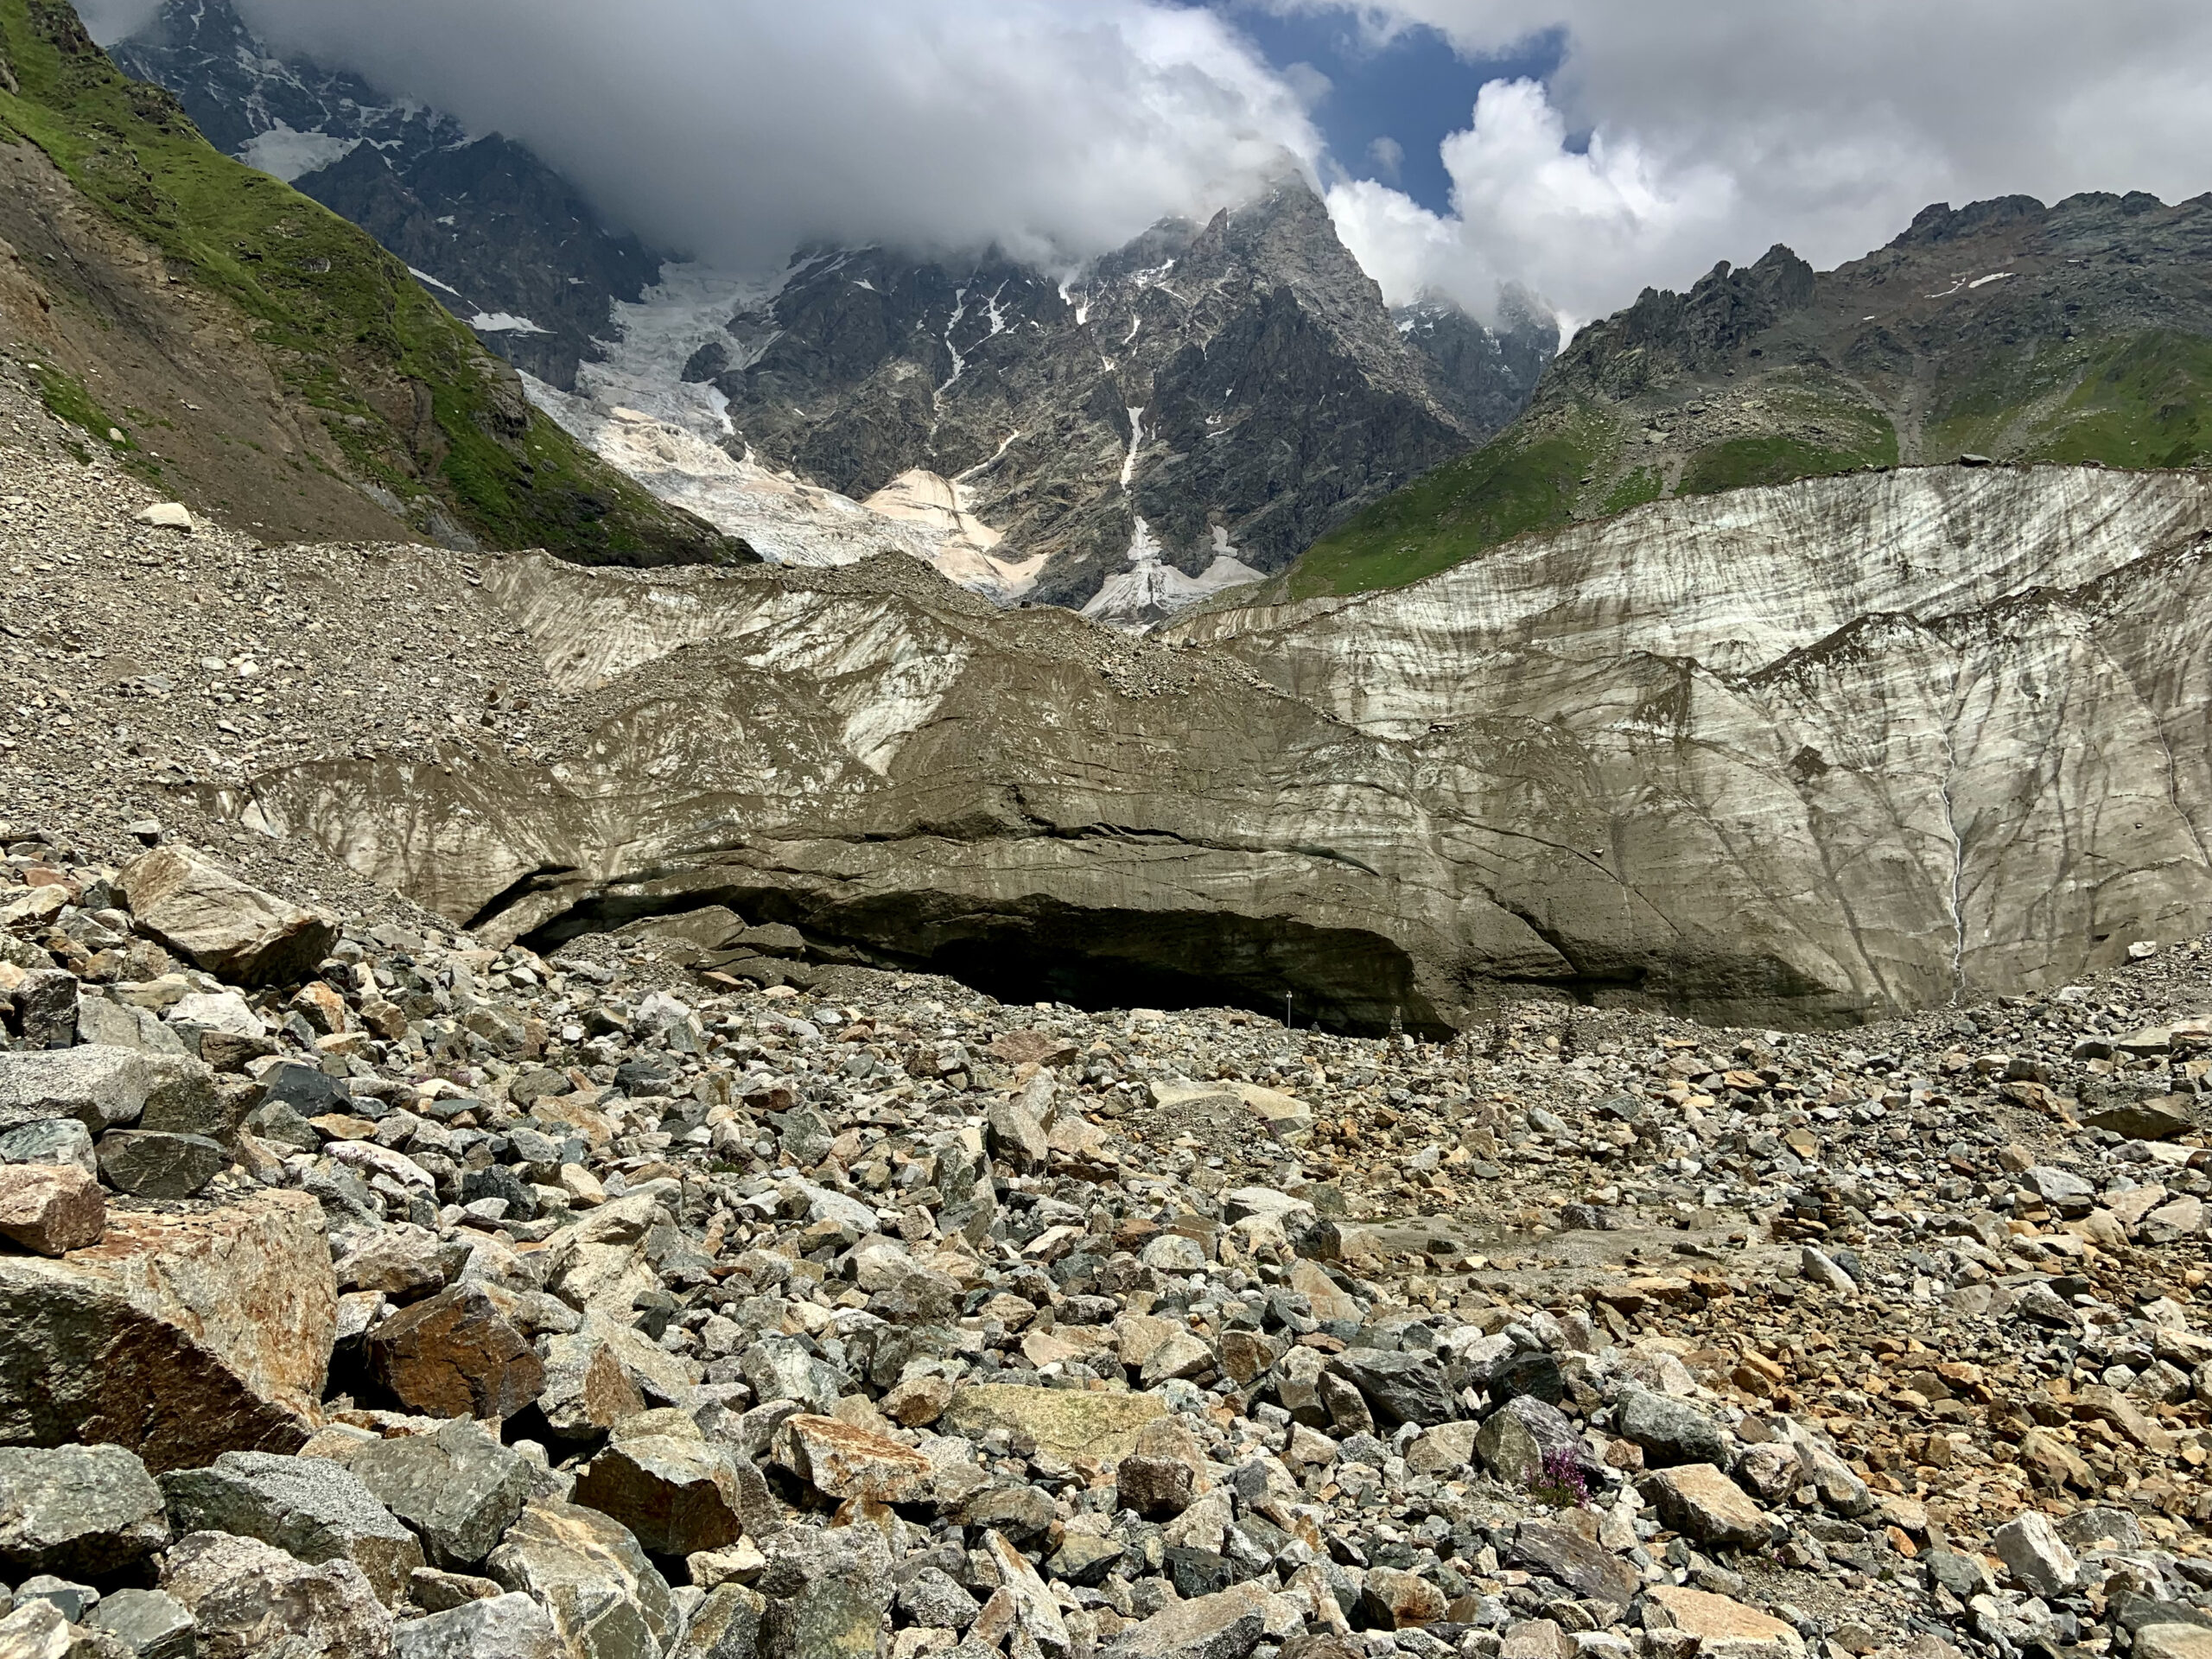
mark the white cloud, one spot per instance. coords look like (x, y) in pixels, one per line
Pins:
(1718, 128)
(739, 129)
(1675, 133)
(1579, 229)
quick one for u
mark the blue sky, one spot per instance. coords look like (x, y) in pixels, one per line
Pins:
(1411, 90)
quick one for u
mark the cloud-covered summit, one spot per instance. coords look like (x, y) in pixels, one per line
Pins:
(1656, 139)
(737, 130)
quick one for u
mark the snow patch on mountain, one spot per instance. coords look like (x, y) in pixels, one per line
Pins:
(637, 412)
(284, 154)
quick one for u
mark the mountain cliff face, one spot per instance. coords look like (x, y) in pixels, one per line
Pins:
(1186, 414)
(1789, 756)
(1206, 400)
(2078, 333)
(503, 240)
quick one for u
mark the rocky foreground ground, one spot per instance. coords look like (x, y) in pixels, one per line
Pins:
(368, 1293)
(371, 1293)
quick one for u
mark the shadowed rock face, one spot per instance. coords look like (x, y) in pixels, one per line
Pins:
(1788, 756)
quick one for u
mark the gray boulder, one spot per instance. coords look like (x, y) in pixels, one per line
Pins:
(1670, 1432)
(154, 1164)
(585, 1569)
(1399, 1388)
(152, 1624)
(80, 1511)
(118, 1025)
(310, 1508)
(459, 1488)
(726, 1626)
(52, 1141)
(828, 1591)
(101, 1088)
(676, 1491)
(779, 1369)
(46, 1008)
(511, 1626)
(1516, 1437)
(253, 1601)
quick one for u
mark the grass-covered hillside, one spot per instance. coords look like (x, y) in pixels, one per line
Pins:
(2078, 333)
(246, 346)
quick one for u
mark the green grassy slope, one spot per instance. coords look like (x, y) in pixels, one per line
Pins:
(2085, 338)
(417, 408)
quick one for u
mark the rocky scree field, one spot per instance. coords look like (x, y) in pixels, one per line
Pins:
(369, 1291)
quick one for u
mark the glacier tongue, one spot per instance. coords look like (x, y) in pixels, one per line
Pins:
(636, 412)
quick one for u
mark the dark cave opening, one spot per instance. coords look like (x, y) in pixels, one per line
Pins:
(1036, 949)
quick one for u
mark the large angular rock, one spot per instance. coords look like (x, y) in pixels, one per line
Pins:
(606, 1600)
(1096, 1427)
(677, 1492)
(1724, 1629)
(178, 1337)
(153, 1623)
(840, 1460)
(827, 1594)
(207, 915)
(1516, 1437)
(51, 1140)
(154, 1164)
(1392, 1599)
(588, 1387)
(77, 1511)
(1446, 1450)
(38, 1630)
(776, 1367)
(1697, 1500)
(51, 1209)
(599, 1261)
(1669, 1431)
(1227, 1625)
(511, 1626)
(1399, 1388)
(253, 1601)
(2173, 1640)
(1587, 1568)
(46, 1008)
(2036, 1555)
(456, 1355)
(460, 1488)
(311, 1508)
(726, 1626)
(99, 1086)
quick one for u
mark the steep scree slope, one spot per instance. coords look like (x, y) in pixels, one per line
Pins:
(500, 238)
(244, 346)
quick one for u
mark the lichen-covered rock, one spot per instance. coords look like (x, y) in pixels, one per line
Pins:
(77, 1511)
(179, 1337)
(458, 1488)
(251, 1600)
(310, 1508)
(606, 1600)
(511, 1626)
(677, 1492)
